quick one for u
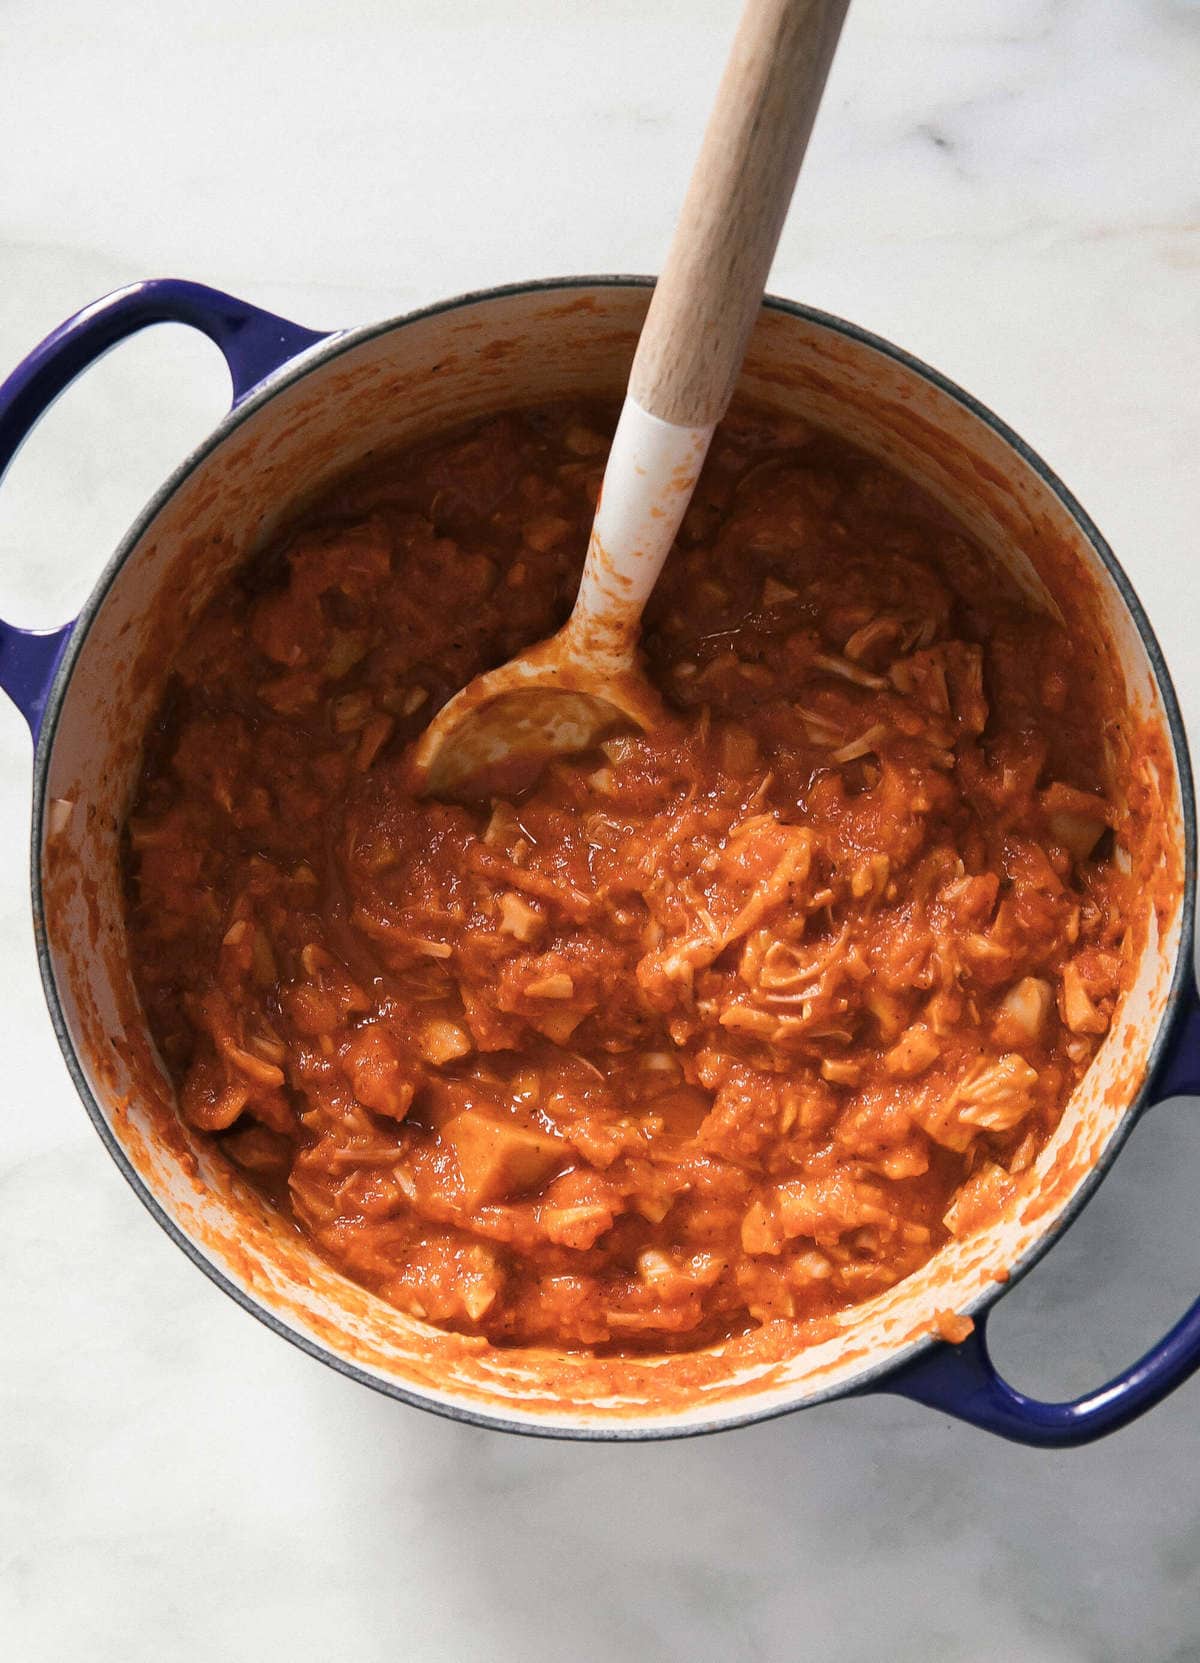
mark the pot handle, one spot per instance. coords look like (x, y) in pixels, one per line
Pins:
(961, 1380)
(254, 344)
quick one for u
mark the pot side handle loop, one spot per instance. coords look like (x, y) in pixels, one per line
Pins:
(254, 344)
(962, 1380)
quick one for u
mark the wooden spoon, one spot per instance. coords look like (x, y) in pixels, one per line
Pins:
(564, 694)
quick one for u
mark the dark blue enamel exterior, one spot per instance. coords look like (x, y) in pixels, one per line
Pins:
(253, 342)
(35, 668)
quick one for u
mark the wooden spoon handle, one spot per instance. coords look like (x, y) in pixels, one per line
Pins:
(711, 287)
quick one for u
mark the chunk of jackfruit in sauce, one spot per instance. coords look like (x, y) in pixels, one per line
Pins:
(499, 1158)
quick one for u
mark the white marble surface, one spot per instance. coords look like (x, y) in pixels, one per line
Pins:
(1008, 188)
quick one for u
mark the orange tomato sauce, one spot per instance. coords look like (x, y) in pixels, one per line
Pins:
(734, 1022)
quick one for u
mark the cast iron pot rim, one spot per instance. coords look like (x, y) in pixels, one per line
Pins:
(296, 369)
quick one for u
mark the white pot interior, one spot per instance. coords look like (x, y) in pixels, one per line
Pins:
(377, 393)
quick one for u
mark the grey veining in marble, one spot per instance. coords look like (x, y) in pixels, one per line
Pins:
(1006, 187)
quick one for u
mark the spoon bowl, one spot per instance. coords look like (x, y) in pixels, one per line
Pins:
(495, 737)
